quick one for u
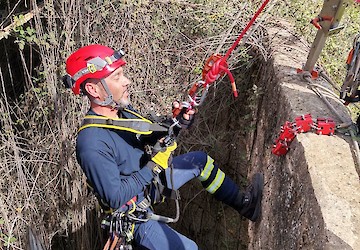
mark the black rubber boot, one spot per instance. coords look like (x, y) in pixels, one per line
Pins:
(249, 202)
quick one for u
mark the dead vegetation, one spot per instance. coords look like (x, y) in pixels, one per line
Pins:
(166, 43)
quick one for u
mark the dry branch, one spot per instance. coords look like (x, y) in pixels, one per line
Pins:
(5, 32)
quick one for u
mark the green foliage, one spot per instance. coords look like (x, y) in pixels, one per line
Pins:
(5, 238)
(337, 46)
(23, 34)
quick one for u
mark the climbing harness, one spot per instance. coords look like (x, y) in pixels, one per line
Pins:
(349, 90)
(216, 66)
(139, 126)
(121, 223)
(302, 124)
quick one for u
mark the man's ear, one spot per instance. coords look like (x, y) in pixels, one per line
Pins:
(92, 89)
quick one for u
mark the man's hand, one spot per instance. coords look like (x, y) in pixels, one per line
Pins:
(183, 114)
(162, 157)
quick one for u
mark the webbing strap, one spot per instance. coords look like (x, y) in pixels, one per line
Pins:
(138, 126)
(165, 191)
(144, 204)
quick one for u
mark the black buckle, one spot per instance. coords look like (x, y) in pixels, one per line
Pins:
(68, 81)
(109, 121)
(118, 54)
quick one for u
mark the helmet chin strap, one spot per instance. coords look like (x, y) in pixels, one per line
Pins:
(109, 101)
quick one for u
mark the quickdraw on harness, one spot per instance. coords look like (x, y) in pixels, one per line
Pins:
(215, 67)
(302, 124)
(120, 223)
(349, 90)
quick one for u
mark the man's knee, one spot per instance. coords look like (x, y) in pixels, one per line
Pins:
(199, 158)
(191, 160)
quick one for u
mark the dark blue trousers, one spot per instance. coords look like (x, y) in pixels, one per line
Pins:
(156, 235)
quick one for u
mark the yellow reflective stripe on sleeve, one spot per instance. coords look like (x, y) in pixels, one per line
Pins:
(204, 175)
(219, 179)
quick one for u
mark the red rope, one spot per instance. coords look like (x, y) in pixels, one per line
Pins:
(220, 66)
(245, 30)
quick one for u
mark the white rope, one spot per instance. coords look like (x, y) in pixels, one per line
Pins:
(331, 82)
(314, 87)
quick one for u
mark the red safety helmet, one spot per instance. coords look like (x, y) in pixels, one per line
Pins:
(91, 62)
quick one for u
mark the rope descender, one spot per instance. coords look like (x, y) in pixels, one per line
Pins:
(214, 68)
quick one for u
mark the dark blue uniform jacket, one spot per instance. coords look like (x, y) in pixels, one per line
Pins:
(113, 162)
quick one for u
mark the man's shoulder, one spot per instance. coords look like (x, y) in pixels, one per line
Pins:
(93, 136)
(92, 132)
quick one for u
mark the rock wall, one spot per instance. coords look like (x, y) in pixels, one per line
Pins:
(311, 195)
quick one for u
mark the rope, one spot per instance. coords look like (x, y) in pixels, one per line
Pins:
(216, 66)
(220, 66)
(313, 87)
(245, 29)
(329, 80)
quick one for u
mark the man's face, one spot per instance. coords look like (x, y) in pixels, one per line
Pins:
(118, 84)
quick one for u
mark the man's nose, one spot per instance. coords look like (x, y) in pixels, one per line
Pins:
(127, 81)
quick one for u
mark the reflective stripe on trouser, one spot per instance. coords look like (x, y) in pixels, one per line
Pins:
(198, 164)
(211, 177)
(157, 235)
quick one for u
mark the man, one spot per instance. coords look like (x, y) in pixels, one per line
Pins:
(127, 159)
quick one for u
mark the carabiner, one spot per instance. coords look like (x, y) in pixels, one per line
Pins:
(194, 97)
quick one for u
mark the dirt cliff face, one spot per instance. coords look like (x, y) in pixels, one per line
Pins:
(220, 129)
(311, 196)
